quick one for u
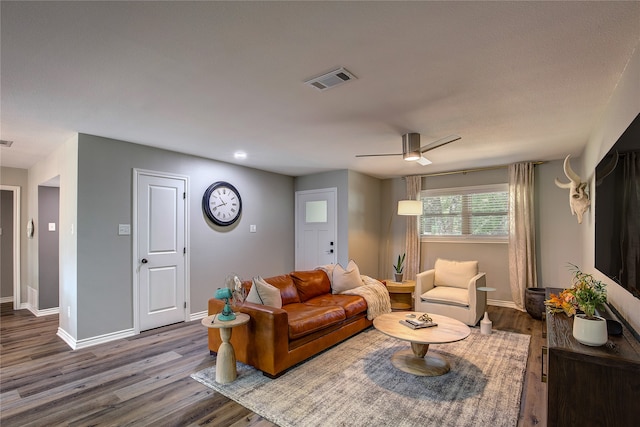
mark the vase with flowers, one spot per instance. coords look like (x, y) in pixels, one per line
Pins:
(581, 301)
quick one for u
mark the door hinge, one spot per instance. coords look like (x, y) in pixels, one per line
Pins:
(185, 304)
(184, 195)
(184, 251)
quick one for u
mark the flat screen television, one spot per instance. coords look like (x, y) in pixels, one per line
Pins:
(617, 211)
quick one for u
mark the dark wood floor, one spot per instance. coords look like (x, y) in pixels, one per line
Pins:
(144, 380)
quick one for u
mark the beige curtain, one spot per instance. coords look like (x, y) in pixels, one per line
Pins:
(522, 245)
(412, 239)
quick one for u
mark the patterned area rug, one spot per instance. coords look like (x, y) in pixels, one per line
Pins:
(355, 384)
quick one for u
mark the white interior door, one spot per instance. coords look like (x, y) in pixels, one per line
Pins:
(316, 228)
(161, 249)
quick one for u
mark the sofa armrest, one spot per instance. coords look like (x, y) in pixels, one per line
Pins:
(479, 302)
(424, 282)
(263, 342)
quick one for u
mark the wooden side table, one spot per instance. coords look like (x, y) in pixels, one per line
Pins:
(226, 360)
(401, 294)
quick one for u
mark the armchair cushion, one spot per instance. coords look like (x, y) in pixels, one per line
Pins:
(454, 273)
(447, 295)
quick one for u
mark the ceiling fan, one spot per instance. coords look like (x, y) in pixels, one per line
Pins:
(411, 150)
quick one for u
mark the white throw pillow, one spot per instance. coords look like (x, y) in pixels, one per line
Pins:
(454, 273)
(345, 279)
(265, 294)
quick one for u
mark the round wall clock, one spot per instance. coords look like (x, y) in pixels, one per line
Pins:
(222, 203)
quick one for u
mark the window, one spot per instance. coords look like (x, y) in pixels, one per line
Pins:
(480, 212)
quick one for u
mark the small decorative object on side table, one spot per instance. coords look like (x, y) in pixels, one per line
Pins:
(486, 324)
(226, 360)
(401, 294)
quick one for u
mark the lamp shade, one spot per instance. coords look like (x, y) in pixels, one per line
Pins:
(409, 207)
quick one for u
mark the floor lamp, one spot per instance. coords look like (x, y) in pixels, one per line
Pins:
(405, 208)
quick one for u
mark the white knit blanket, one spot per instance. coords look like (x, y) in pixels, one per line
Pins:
(376, 295)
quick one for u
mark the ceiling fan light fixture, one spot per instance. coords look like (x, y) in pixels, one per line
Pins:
(411, 147)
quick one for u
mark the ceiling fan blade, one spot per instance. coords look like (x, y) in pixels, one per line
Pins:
(378, 155)
(423, 161)
(439, 143)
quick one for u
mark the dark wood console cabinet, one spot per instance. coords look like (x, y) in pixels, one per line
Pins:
(590, 386)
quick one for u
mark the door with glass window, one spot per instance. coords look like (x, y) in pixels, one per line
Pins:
(316, 228)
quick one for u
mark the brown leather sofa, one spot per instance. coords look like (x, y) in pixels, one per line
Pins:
(311, 319)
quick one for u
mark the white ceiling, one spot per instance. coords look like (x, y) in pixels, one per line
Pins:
(517, 80)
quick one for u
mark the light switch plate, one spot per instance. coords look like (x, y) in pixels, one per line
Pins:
(52, 226)
(124, 229)
(252, 228)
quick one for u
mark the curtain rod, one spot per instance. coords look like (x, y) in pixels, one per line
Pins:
(488, 168)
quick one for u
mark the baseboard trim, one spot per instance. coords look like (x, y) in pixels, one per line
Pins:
(90, 342)
(500, 303)
(197, 316)
(44, 312)
(6, 299)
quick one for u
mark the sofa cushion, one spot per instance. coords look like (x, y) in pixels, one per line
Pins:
(305, 319)
(447, 295)
(345, 279)
(311, 283)
(288, 291)
(454, 273)
(265, 294)
(352, 304)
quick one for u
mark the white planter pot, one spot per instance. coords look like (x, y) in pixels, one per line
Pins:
(590, 332)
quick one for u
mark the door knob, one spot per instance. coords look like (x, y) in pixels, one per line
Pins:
(144, 260)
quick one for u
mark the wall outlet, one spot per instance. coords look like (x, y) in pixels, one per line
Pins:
(52, 226)
(252, 228)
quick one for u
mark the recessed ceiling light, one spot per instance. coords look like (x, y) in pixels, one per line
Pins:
(240, 155)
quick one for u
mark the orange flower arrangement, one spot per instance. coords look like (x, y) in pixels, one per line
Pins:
(586, 294)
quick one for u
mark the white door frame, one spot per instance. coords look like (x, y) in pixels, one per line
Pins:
(134, 238)
(16, 242)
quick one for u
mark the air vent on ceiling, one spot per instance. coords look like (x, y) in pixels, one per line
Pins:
(5, 143)
(331, 79)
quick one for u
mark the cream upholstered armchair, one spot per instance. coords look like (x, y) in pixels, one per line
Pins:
(451, 289)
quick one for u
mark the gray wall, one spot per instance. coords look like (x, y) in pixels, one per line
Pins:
(105, 284)
(48, 246)
(6, 244)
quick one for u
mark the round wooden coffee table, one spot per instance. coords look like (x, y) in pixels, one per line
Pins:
(416, 360)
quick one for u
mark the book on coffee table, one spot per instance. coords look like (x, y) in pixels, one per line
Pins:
(417, 324)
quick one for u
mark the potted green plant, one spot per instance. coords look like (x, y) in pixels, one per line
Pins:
(585, 296)
(399, 268)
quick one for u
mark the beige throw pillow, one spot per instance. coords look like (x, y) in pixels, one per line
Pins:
(345, 279)
(263, 293)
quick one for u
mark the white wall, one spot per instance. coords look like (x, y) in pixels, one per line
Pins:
(623, 107)
(62, 162)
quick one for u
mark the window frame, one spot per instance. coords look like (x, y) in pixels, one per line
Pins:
(465, 238)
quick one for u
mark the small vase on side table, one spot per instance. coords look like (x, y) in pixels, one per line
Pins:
(486, 324)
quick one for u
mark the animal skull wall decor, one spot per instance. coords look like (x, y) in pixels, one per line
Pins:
(578, 197)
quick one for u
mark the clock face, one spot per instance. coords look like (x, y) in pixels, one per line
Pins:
(222, 203)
